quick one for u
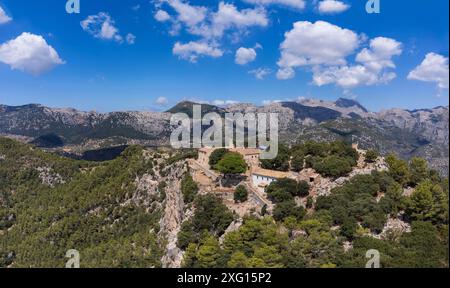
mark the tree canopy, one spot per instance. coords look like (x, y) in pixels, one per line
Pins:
(232, 163)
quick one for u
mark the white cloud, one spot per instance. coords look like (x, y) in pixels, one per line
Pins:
(349, 77)
(29, 53)
(319, 43)
(380, 53)
(136, 7)
(3, 17)
(162, 16)
(131, 39)
(101, 26)
(297, 4)
(211, 25)
(188, 14)
(434, 68)
(324, 48)
(245, 55)
(332, 7)
(193, 50)
(285, 73)
(260, 73)
(374, 60)
(162, 101)
(229, 17)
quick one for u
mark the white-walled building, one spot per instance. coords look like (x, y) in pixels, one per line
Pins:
(261, 178)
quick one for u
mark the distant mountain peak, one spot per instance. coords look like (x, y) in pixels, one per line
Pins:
(187, 107)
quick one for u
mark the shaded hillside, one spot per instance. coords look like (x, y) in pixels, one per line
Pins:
(187, 108)
(48, 141)
(346, 103)
(319, 114)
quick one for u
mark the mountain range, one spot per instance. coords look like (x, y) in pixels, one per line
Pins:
(407, 133)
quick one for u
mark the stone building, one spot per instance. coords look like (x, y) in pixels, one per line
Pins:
(309, 175)
(250, 155)
(203, 156)
(259, 178)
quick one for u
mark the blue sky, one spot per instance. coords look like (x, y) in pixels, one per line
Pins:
(135, 63)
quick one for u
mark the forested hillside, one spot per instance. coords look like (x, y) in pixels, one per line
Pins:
(338, 233)
(112, 213)
(49, 204)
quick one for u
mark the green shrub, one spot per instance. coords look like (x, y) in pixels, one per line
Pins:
(188, 188)
(371, 156)
(240, 194)
(232, 163)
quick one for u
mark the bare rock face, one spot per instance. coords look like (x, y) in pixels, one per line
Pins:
(173, 216)
(348, 108)
(147, 193)
(394, 228)
(431, 123)
(234, 226)
(49, 177)
(298, 233)
(347, 245)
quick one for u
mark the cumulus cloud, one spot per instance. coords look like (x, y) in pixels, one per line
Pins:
(162, 16)
(379, 54)
(3, 17)
(324, 48)
(332, 6)
(192, 50)
(374, 62)
(188, 14)
(319, 43)
(285, 73)
(434, 68)
(102, 26)
(162, 101)
(29, 53)
(260, 73)
(229, 17)
(297, 4)
(349, 77)
(211, 25)
(245, 55)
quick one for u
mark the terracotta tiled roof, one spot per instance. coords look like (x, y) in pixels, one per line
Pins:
(270, 173)
(244, 151)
